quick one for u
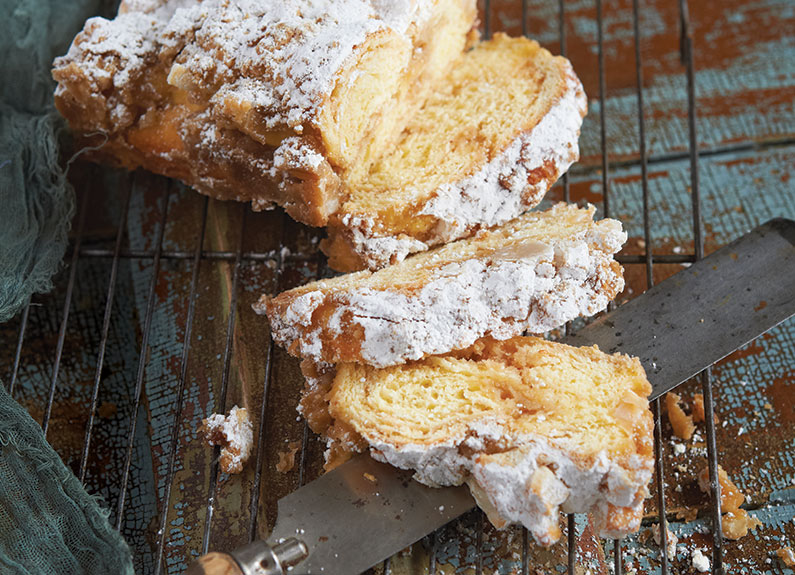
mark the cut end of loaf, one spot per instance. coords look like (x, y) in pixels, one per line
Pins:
(486, 146)
(533, 426)
(390, 77)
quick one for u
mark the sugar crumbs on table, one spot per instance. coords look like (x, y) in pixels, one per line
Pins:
(699, 561)
(234, 434)
(671, 540)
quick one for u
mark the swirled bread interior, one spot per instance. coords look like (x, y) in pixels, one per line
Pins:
(492, 137)
(533, 426)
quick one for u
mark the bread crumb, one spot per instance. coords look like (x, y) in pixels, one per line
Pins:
(787, 556)
(671, 540)
(370, 477)
(735, 522)
(698, 409)
(681, 422)
(643, 536)
(686, 514)
(700, 562)
(287, 457)
(234, 434)
(730, 496)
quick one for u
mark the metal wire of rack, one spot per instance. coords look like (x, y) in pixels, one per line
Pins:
(157, 254)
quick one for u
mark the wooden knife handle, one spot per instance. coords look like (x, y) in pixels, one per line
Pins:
(256, 558)
(215, 564)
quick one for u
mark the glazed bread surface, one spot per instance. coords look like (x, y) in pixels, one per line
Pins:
(533, 426)
(269, 102)
(494, 135)
(533, 274)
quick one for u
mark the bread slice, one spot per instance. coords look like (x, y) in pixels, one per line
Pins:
(269, 102)
(495, 135)
(533, 274)
(532, 426)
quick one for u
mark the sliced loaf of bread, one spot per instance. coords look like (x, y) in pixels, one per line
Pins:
(533, 427)
(533, 274)
(268, 102)
(495, 134)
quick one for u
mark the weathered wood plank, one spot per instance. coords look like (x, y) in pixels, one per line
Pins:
(745, 76)
(744, 59)
(732, 205)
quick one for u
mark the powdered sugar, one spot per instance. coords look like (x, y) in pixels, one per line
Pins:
(234, 433)
(297, 153)
(458, 303)
(378, 251)
(700, 561)
(498, 192)
(306, 42)
(529, 481)
(300, 312)
(281, 56)
(112, 53)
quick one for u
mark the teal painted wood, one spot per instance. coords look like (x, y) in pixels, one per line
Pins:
(745, 71)
(744, 78)
(738, 190)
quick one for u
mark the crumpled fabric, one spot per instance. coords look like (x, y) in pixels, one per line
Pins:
(48, 523)
(36, 206)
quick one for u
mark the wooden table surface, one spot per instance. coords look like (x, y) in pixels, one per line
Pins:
(744, 57)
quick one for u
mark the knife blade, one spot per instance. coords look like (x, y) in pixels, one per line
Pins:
(361, 497)
(344, 522)
(364, 511)
(703, 313)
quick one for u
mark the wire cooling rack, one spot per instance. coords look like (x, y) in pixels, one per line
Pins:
(158, 536)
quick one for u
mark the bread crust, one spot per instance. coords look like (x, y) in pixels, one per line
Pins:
(239, 98)
(518, 473)
(439, 301)
(490, 194)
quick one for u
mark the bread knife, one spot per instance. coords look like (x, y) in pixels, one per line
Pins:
(364, 511)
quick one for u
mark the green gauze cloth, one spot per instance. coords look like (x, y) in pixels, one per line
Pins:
(49, 525)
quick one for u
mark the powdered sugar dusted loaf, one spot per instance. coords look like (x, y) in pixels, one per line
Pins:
(532, 274)
(532, 426)
(269, 101)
